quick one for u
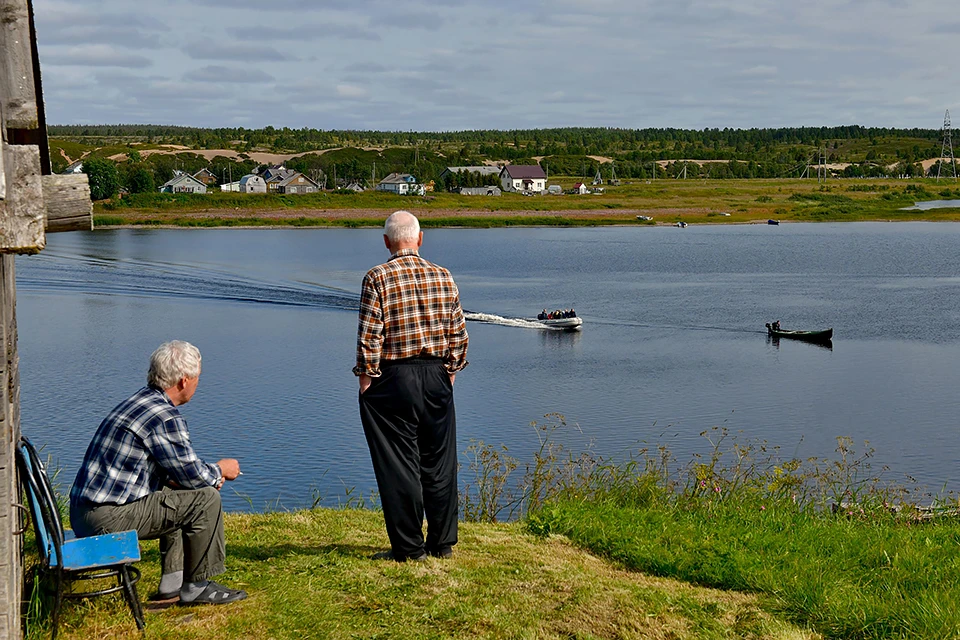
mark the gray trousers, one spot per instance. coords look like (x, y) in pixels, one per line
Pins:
(188, 523)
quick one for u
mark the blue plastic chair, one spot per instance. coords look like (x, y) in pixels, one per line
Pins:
(67, 558)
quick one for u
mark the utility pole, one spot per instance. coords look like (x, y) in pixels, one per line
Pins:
(947, 147)
(822, 166)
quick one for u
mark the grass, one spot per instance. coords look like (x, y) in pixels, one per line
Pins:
(737, 542)
(845, 577)
(309, 576)
(667, 201)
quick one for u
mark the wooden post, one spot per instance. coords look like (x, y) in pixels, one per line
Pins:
(31, 202)
(68, 203)
(11, 572)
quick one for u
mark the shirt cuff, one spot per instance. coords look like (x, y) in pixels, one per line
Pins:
(452, 367)
(359, 371)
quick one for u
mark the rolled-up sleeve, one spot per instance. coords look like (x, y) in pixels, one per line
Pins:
(369, 330)
(457, 355)
(172, 450)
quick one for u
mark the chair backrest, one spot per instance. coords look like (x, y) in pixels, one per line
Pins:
(45, 513)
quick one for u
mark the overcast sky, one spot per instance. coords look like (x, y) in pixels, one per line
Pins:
(427, 65)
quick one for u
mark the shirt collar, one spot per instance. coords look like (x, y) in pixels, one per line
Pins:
(404, 252)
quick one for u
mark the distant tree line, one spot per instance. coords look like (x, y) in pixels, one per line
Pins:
(338, 158)
(492, 143)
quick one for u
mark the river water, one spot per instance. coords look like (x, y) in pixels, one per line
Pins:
(673, 342)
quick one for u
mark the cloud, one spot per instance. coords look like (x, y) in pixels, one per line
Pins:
(303, 33)
(95, 55)
(763, 70)
(239, 51)
(219, 73)
(352, 92)
(409, 19)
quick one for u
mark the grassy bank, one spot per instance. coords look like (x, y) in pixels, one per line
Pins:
(309, 576)
(737, 542)
(666, 201)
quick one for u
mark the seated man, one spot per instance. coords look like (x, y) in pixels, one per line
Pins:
(141, 472)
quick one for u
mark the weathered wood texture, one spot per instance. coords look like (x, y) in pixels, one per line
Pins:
(16, 68)
(68, 203)
(22, 218)
(17, 85)
(10, 570)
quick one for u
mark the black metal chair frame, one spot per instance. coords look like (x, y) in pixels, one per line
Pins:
(48, 527)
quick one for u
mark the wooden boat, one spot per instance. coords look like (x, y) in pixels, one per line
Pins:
(772, 221)
(825, 335)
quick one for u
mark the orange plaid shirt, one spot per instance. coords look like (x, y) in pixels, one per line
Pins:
(410, 307)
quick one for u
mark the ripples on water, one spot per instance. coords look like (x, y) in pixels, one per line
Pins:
(673, 341)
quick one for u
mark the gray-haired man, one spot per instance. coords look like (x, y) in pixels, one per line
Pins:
(141, 472)
(411, 342)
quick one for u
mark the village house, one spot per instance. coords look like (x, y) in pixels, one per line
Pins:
(206, 177)
(480, 191)
(183, 183)
(581, 189)
(73, 168)
(297, 183)
(252, 183)
(401, 183)
(523, 178)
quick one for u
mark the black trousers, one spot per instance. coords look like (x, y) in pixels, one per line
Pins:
(411, 428)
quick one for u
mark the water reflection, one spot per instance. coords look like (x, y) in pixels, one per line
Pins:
(560, 339)
(775, 342)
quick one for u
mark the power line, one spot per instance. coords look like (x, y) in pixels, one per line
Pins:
(947, 147)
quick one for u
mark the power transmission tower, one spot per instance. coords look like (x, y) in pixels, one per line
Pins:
(947, 147)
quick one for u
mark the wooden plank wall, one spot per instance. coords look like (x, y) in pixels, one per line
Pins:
(10, 570)
(31, 201)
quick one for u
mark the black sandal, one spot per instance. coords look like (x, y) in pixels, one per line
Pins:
(216, 593)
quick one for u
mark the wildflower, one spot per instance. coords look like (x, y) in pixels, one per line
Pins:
(716, 489)
(762, 508)
(703, 484)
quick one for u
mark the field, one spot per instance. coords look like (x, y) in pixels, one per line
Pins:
(666, 201)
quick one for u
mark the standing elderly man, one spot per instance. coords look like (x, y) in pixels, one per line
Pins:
(411, 342)
(141, 472)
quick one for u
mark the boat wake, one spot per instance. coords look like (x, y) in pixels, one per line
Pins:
(520, 323)
(141, 278)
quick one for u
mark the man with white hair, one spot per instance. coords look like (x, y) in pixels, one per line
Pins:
(411, 342)
(141, 472)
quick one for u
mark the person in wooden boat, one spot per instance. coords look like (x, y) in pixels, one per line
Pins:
(141, 472)
(411, 343)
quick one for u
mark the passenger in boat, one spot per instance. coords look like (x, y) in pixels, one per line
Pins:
(776, 326)
(573, 314)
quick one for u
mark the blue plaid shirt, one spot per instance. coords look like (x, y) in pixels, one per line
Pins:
(139, 447)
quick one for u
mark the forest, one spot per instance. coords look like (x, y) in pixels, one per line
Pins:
(336, 158)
